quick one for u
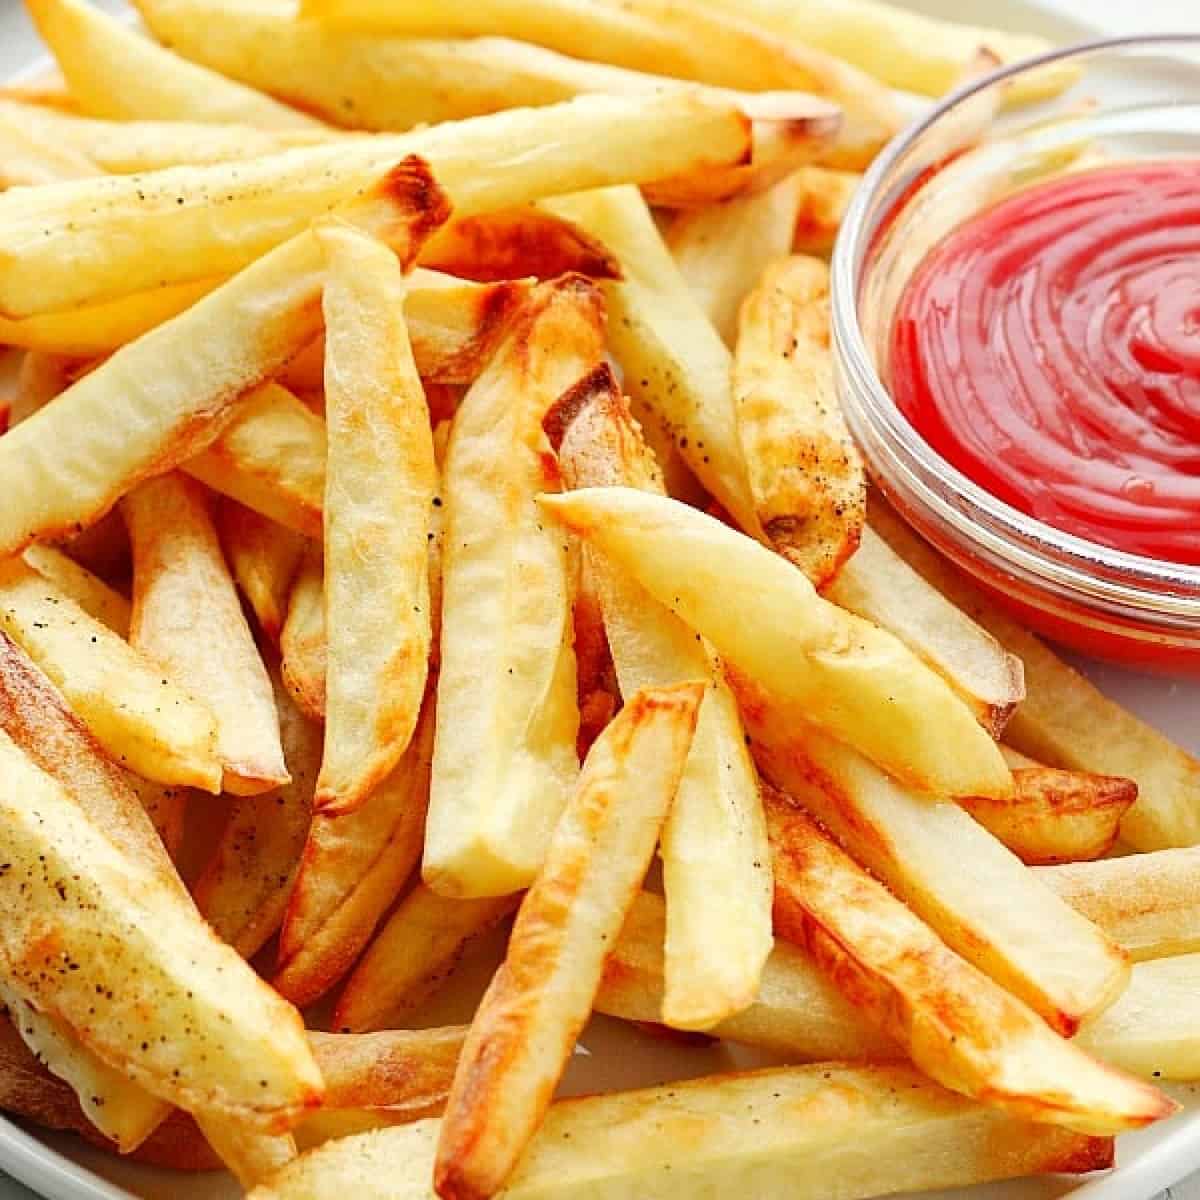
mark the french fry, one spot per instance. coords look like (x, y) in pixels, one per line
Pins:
(515, 244)
(48, 91)
(142, 720)
(352, 869)
(901, 47)
(371, 1082)
(540, 998)
(976, 894)
(99, 329)
(859, 682)
(167, 809)
(879, 586)
(401, 1074)
(383, 82)
(1147, 903)
(93, 49)
(157, 1008)
(271, 459)
(722, 249)
(797, 1010)
(244, 888)
(107, 1100)
(957, 1025)
(250, 1156)
(1055, 816)
(187, 618)
(302, 639)
(69, 463)
(825, 194)
(34, 715)
(414, 951)
(1067, 722)
(28, 162)
(379, 490)
(1151, 1031)
(504, 756)
(89, 591)
(673, 361)
(192, 221)
(127, 147)
(263, 557)
(792, 1130)
(714, 848)
(29, 1090)
(806, 476)
(699, 43)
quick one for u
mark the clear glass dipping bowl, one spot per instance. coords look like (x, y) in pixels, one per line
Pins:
(1131, 98)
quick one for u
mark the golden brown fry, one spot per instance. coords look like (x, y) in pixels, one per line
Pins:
(270, 458)
(699, 43)
(216, 219)
(797, 1011)
(93, 49)
(806, 476)
(540, 998)
(879, 586)
(504, 760)
(412, 955)
(390, 1077)
(792, 1130)
(862, 684)
(674, 363)
(187, 618)
(302, 639)
(244, 889)
(714, 850)
(89, 591)
(104, 1098)
(29, 1091)
(1055, 816)
(72, 461)
(1147, 903)
(263, 557)
(379, 491)
(1065, 721)
(353, 868)
(249, 1155)
(976, 894)
(956, 1024)
(515, 244)
(142, 720)
(722, 249)
(34, 715)
(824, 196)
(156, 993)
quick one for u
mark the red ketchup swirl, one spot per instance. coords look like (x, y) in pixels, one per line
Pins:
(1050, 350)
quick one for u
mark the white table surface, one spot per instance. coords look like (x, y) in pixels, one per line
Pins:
(1116, 16)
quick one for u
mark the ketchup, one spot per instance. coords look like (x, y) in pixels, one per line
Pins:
(1049, 349)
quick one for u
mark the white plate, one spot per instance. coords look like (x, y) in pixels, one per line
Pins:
(611, 1056)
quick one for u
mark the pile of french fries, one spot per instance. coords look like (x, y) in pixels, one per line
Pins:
(426, 507)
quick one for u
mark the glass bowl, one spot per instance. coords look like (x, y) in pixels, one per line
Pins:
(1131, 98)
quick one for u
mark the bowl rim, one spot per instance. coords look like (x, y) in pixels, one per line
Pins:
(1076, 564)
